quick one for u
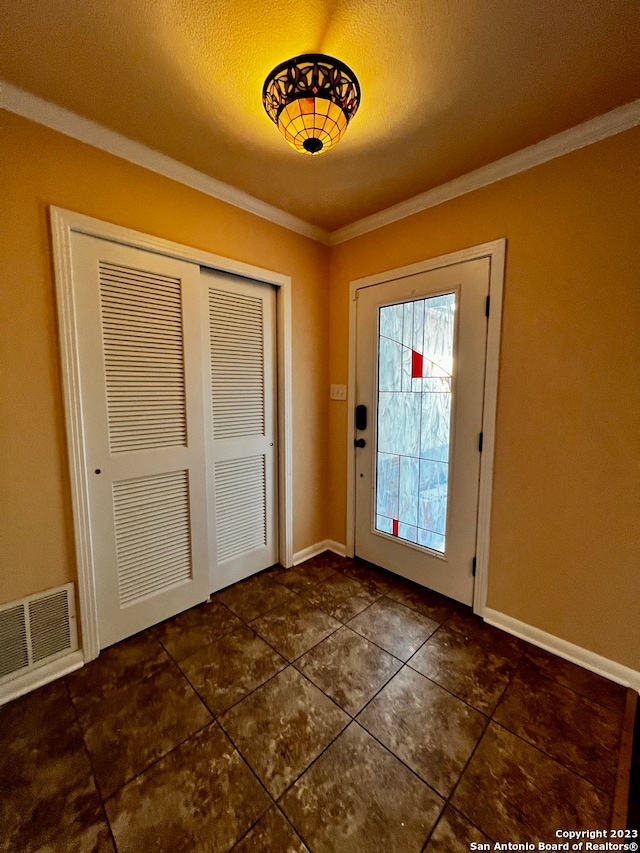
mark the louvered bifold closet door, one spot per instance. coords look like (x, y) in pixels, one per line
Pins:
(142, 378)
(241, 427)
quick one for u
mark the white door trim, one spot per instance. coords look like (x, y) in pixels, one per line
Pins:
(496, 252)
(63, 224)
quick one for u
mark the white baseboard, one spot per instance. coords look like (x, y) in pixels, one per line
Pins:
(336, 547)
(40, 676)
(575, 654)
(319, 548)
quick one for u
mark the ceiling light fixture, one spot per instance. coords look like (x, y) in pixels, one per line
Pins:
(311, 98)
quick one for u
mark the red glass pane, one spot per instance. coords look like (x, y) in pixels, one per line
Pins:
(416, 365)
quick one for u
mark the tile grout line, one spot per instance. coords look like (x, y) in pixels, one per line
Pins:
(446, 799)
(288, 662)
(620, 799)
(543, 675)
(227, 734)
(274, 805)
(214, 721)
(552, 758)
(540, 748)
(449, 805)
(274, 801)
(352, 719)
(91, 765)
(464, 770)
(449, 690)
(141, 772)
(488, 718)
(157, 761)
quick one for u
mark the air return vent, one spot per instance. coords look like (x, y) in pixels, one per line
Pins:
(36, 630)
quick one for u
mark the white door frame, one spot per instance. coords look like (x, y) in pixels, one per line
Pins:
(63, 224)
(496, 252)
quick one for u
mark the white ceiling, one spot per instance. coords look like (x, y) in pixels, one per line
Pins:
(447, 85)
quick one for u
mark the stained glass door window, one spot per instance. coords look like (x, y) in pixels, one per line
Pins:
(415, 365)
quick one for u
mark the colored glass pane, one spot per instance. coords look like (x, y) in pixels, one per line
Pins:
(415, 369)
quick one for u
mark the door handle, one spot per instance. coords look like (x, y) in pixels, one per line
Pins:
(360, 442)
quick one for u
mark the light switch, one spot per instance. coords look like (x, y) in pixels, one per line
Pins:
(338, 392)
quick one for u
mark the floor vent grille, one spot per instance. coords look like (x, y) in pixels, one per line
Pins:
(37, 630)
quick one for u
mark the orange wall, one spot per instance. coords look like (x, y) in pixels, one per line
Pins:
(565, 553)
(40, 168)
(565, 529)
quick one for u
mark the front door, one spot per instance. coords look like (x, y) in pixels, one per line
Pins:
(421, 345)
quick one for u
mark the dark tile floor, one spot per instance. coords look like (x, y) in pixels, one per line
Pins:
(329, 708)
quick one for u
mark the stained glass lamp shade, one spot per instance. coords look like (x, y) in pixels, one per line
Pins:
(311, 98)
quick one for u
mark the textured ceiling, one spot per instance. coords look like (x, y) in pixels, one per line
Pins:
(447, 85)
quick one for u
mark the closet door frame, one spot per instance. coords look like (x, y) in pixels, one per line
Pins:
(64, 224)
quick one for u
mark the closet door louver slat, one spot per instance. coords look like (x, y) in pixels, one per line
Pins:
(240, 506)
(154, 549)
(143, 358)
(237, 365)
(240, 357)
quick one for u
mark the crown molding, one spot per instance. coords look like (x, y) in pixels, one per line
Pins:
(609, 124)
(51, 115)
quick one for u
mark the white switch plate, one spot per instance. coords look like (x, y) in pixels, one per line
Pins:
(338, 392)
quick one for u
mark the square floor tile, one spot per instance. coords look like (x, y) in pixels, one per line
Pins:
(117, 668)
(282, 727)
(467, 669)
(429, 729)
(476, 630)
(89, 833)
(229, 669)
(272, 834)
(588, 684)
(46, 780)
(423, 600)
(394, 627)
(454, 834)
(358, 798)
(185, 634)
(514, 792)
(340, 596)
(377, 581)
(200, 798)
(294, 627)
(578, 733)
(253, 597)
(348, 668)
(130, 730)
